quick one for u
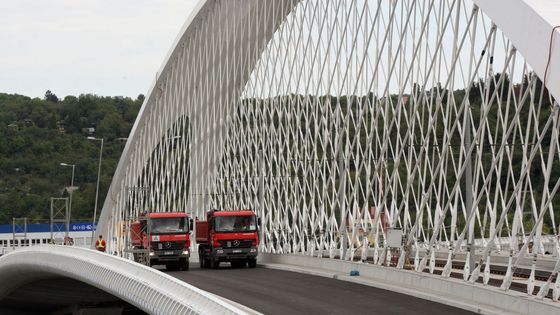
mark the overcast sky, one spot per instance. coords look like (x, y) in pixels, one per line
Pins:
(105, 47)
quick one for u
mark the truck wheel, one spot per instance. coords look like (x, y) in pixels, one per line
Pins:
(252, 262)
(201, 262)
(201, 259)
(185, 265)
(214, 264)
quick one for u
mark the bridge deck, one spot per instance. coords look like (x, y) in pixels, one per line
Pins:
(281, 292)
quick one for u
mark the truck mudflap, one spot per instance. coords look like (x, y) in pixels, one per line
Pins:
(234, 253)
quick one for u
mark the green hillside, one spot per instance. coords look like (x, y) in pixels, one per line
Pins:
(36, 135)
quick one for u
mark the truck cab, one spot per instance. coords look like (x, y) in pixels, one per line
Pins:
(228, 236)
(165, 236)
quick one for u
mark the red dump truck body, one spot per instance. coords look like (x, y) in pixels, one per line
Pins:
(165, 236)
(228, 236)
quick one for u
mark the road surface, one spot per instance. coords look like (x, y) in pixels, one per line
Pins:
(271, 291)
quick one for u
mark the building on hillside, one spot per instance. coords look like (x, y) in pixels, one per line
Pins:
(88, 131)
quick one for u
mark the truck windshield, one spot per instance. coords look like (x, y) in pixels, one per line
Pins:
(168, 226)
(236, 224)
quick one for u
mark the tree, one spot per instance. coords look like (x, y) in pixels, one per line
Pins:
(51, 97)
(30, 154)
(110, 126)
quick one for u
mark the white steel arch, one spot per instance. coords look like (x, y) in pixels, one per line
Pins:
(149, 290)
(529, 24)
(338, 119)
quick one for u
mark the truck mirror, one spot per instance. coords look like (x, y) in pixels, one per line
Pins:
(259, 222)
(191, 224)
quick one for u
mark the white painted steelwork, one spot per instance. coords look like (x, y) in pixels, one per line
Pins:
(338, 119)
(146, 288)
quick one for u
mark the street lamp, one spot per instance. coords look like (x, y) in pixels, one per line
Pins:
(97, 189)
(70, 190)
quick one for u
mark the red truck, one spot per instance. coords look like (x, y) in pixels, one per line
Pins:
(165, 236)
(228, 236)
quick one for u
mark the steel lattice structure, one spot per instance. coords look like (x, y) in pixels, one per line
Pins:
(337, 120)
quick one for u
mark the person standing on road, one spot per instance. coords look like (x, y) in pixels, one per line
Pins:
(100, 244)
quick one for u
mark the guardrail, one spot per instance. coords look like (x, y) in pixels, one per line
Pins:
(146, 288)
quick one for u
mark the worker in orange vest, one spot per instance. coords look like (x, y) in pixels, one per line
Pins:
(100, 244)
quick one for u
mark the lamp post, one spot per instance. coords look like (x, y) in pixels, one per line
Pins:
(97, 189)
(70, 191)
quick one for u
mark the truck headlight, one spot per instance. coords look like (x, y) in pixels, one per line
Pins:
(186, 252)
(152, 254)
(253, 250)
(220, 251)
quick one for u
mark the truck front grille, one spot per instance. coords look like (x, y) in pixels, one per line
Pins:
(236, 243)
(168, 245)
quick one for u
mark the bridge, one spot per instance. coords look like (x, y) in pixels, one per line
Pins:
(346, 125)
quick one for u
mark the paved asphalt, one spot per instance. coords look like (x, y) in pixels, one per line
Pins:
(271, 291)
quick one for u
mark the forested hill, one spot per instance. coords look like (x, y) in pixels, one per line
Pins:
(36, 135)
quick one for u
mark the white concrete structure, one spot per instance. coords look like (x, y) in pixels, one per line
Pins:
(337, 120)
(149, 290)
